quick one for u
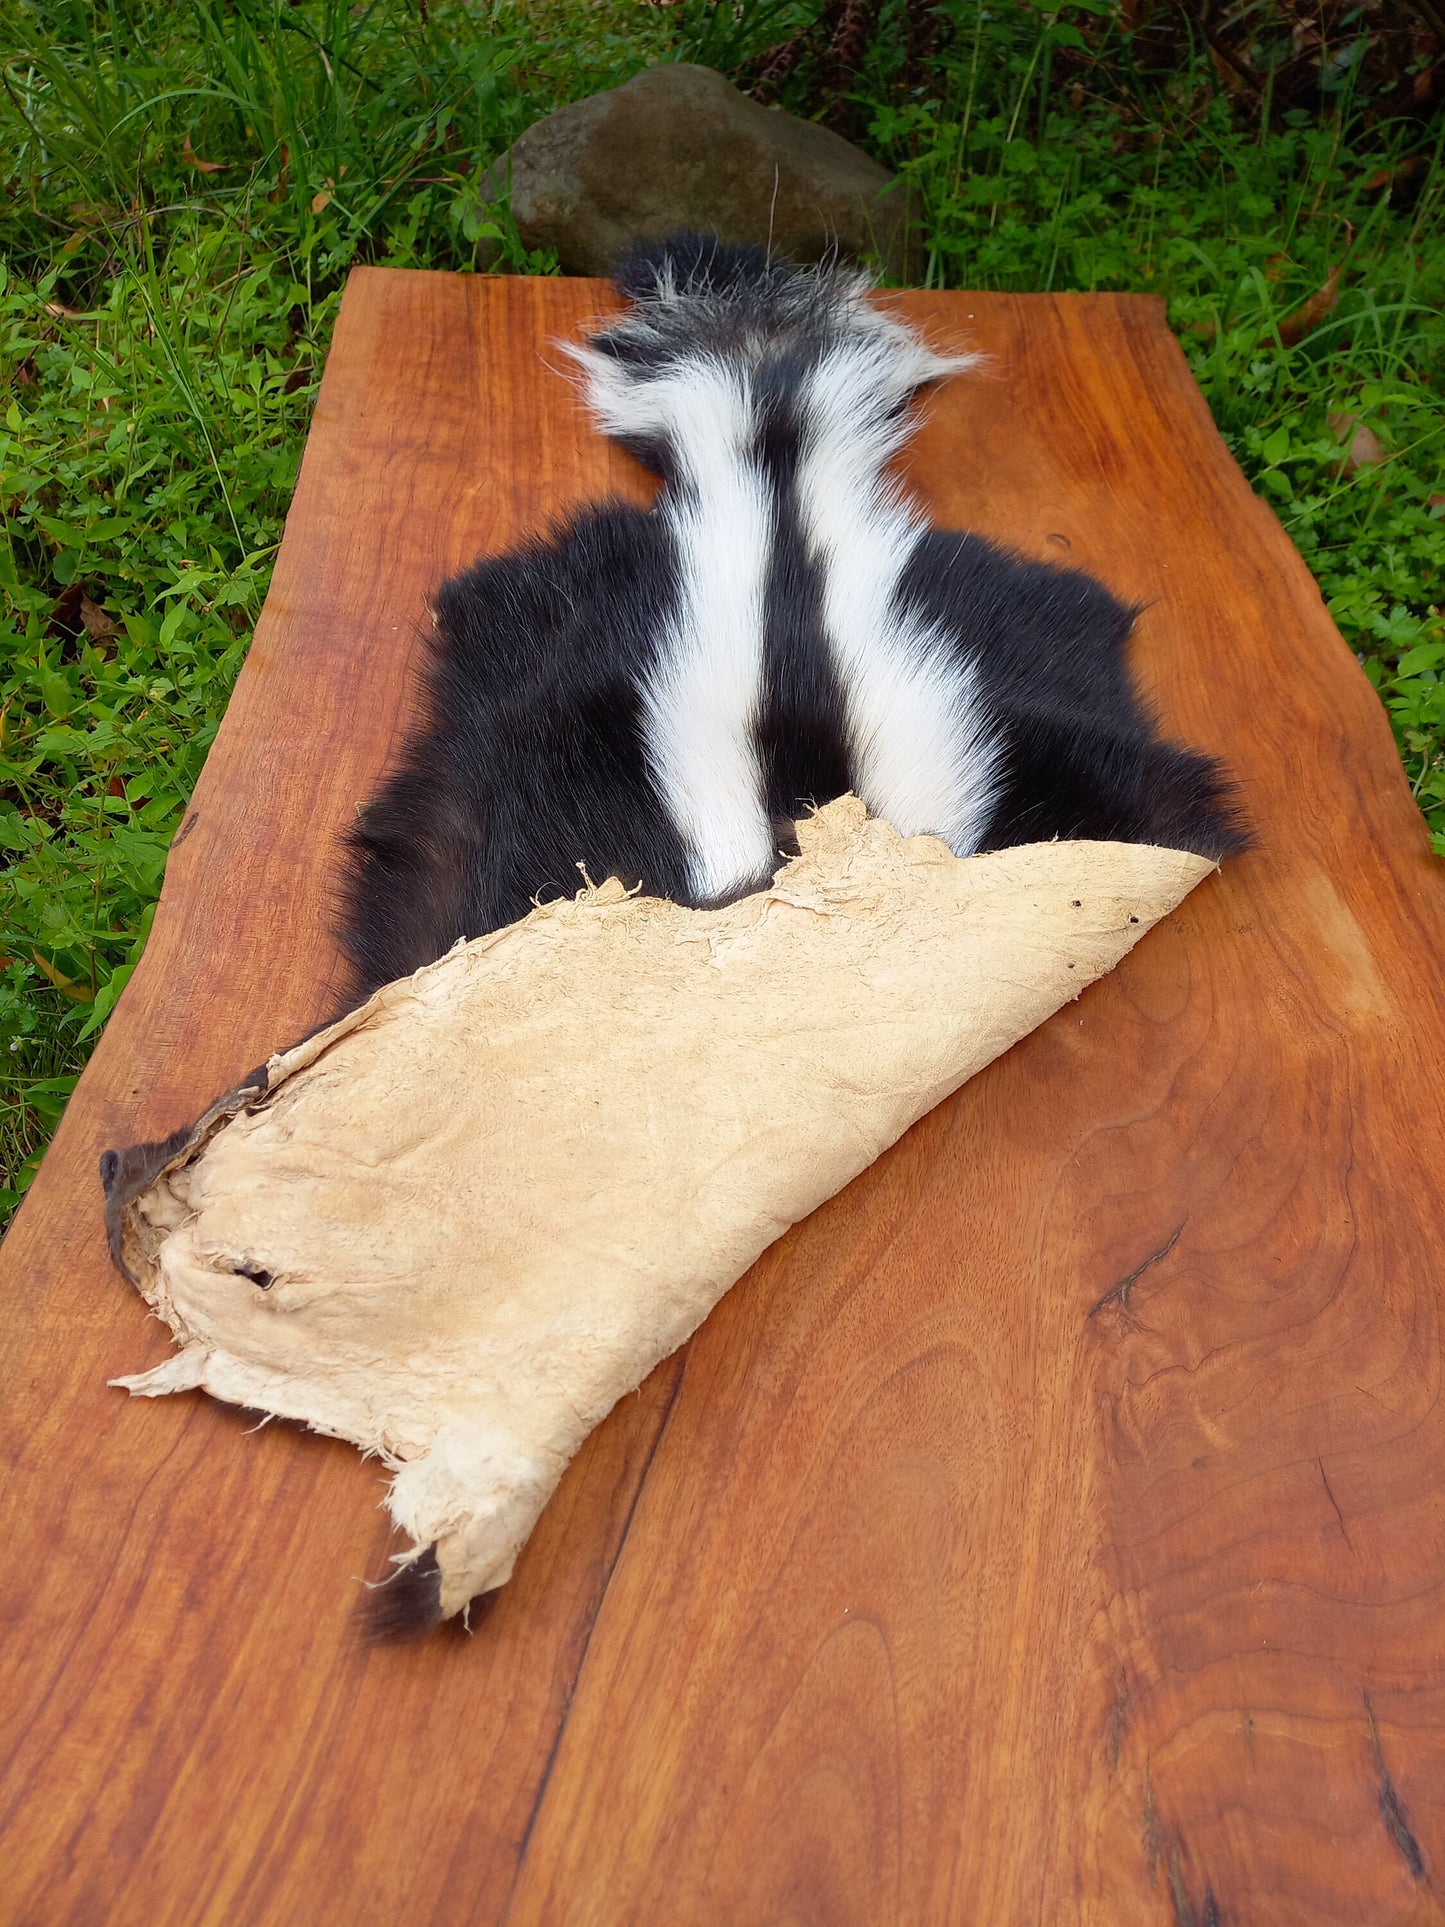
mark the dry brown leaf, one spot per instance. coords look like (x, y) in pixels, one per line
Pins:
(193, 159)
(320, 201)
(63, 984)
(1363, 448)
(1311, 313)
(96, 623)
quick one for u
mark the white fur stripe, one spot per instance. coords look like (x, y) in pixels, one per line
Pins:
(921, 750)
(702, 702)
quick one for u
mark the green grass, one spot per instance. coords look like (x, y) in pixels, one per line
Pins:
(186, 188)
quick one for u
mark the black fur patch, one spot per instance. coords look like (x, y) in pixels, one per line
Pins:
(1083, 757)
(404, 1607)
(531, 761)
(802, 731)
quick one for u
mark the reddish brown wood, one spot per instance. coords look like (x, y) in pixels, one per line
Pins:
(949, 1576)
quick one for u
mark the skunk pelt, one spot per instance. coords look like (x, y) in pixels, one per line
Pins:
(658, 694)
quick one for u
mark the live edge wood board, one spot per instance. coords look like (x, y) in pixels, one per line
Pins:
(1050, 1529)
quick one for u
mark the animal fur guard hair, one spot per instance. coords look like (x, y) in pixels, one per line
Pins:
(459, 1224)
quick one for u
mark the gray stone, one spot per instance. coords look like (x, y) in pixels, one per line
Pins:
(679, 147)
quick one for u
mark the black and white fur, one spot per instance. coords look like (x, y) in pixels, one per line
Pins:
(658, 694)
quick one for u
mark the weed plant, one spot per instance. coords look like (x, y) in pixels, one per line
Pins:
(185, 189)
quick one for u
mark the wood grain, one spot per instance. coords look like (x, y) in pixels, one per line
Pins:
(1051, 1529)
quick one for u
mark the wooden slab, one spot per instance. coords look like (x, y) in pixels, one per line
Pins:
(1050, 1529)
